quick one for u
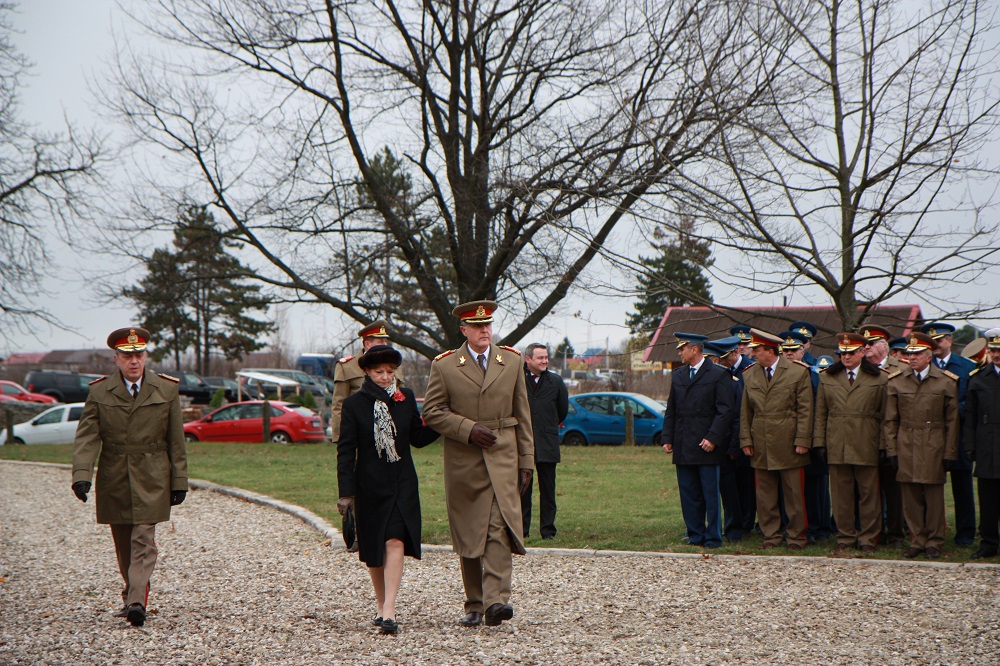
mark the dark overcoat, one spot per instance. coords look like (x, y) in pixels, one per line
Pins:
(549, 401)
(982, 422)
(375, 483)
(697, 409)
(141, 447)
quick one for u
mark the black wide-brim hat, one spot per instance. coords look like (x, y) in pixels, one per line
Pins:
(379, 354)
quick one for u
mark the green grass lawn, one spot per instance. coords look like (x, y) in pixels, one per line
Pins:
(621, 498)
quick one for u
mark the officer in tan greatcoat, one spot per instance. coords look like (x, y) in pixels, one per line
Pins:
(850, 407)
(348, 377)
(132, 419)
(921, 439)
(776, 432)
(477, 399)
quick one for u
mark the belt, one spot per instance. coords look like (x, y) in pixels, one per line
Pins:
(152, 447)
(499, 424)
(924, 425)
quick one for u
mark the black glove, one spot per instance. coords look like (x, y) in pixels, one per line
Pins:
(177, 496)
(80, 489)
(949, 465)
(893, 462)
(970, 454)
(819, 455)
(482, 437)
(524, 480)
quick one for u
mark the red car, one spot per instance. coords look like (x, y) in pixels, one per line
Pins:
(14, 391)
(243, 422)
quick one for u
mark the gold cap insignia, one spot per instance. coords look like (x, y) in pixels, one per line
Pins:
(791, 341)
(804, 331)
(914, 341)
(132, 337)
(480, 311)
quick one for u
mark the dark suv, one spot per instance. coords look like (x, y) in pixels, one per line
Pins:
(195, 387)
(63, 385)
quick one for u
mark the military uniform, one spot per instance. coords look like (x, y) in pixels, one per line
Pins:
(982, 444)
(481, 485)
(848, 426)
(138, 443)
(348, 376)
(921, 432)
(775, 418)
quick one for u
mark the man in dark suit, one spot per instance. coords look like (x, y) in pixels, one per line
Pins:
(961, 469)
(982, 443)
(549, 405)
(696, 431)
(809, 331)
(736, 483)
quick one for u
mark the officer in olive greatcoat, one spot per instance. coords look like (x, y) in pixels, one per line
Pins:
(132, 420)
(776, 432)
(921, 439)
(477, 399)
(982, 444)
(850, 407)
(348, 377)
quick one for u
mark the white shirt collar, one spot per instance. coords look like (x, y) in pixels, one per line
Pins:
(697, 367)
(923, 375)
(128, 384)
(475, 356)
(944, 360)
(775, 366)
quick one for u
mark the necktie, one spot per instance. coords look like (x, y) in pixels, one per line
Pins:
(768, 373)
(536, 378)
(691, 374)
(850, 376)
(135, 391)
(917, 375)
(481, 359)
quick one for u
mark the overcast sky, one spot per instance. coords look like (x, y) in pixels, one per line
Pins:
(67, 40)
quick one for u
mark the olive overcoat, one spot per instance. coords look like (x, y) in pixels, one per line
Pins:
(921, 424)
(141, 446)
(776, 416)
(458, 397)
(849, 416)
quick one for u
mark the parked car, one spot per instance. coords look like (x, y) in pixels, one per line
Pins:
(307, 382)
(63, 385)
(14, 391)
(53, 426)
(244, 422)
(230, 386)
(599, 418)
(193, 386)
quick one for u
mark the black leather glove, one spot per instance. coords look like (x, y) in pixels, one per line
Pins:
(949, 465)
(344, 505)
(177, 496)
(893, 462)
(970, 454)
(482, 437)
(80, 489)
(523, 480)
(819, 455)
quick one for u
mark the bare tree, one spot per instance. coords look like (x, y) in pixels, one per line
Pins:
(464, 150)
(856, 172)
(42, 178)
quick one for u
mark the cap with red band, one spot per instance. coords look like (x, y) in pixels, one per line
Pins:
(759, 338)
(131, 339)
(376, 329)
(476, 312)
(873, 333)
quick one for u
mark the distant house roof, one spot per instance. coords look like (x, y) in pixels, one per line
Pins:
(77, 356)
(715, 323)
(593, 351)
(24, 358)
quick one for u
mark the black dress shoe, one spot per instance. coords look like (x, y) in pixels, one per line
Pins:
(932, 553)
(497, 613)
(136, 615)
(984, 552)
(377, 621)
(912, 552)
(389, 627)
(473, 619)
(122, 613)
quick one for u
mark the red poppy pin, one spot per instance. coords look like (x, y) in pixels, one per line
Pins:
(398, 396)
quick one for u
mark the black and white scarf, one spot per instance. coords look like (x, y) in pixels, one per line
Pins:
(385, 428)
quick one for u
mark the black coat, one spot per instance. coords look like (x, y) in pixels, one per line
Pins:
(549, 402)
(698, 409)
(982, 422)
(375, 483)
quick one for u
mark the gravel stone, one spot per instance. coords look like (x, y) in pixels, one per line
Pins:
(241, 583)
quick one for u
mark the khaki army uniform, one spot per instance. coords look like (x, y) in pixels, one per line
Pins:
(921, 430)
(347, 380)
(776, 417)
(138, 444)
(849, 425)
(481, 485)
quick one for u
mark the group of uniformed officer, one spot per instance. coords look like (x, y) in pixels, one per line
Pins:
(859, 446)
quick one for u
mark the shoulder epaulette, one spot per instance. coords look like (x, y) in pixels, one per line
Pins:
(975, 371)
(948, 373)
(896, 374)
(510, 349)
(99, 379)
(822, 370)
(884, 369)
(804, 365)
(345, 359)
(168, 378)
(443, 354)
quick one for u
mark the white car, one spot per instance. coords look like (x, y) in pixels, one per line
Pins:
(53, 426)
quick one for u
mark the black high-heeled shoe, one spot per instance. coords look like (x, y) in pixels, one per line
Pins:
(377, 621)
(389, 627)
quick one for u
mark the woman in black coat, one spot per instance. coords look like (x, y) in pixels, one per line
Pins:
(375, 474)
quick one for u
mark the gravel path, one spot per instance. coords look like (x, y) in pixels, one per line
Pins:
(237, 583)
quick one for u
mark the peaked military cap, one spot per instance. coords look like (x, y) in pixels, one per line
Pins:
(824, 362)
(793, 340)
(476, 312)
(993, 338)
(848, 342)
(131, 339)
(975, 350)
(898, 344)
(688, 338)
(759, 338)
(805, 328)
(725, 345)
(712, 350)
(376, 329)
(918, 342)
(741, 332)
(873, 333)
(937, 329)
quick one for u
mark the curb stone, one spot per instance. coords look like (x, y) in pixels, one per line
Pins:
(333, 534)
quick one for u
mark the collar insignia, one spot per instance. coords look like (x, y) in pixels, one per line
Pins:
(499, 359)
(461, 361)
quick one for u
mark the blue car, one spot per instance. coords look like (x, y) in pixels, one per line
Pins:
(599, 418)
